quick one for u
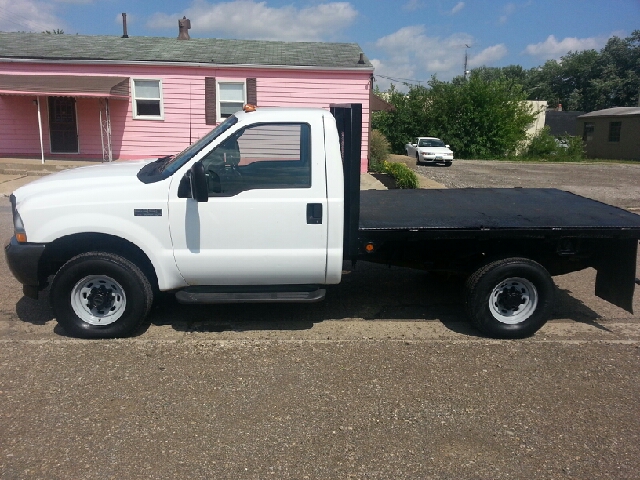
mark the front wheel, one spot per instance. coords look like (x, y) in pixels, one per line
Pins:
(447, 164)
(417, 159)
(100, 295)
(510, 298)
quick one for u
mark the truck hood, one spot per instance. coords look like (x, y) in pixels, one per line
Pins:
(91, 179)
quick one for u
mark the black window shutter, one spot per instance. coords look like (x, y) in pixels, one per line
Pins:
(252, 94)
(210, 100)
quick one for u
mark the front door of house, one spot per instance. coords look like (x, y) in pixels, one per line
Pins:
(63, 128)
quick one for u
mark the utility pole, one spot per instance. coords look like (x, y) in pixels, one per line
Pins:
(466, 57)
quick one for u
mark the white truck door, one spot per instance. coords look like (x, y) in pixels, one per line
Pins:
(265, 222)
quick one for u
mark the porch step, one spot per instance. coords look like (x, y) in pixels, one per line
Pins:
(251, 294)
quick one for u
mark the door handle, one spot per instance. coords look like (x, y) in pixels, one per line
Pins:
(314, 213)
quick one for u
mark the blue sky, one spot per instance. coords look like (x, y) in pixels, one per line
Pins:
(404, 39)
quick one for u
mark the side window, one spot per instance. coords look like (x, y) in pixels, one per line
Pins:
(587, 134)
(147, 99)
(263, 156)
(614, 131)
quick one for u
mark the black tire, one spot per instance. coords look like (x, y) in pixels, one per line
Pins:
(417, 159)
(510, 298)
(447, 164)
(100, 295)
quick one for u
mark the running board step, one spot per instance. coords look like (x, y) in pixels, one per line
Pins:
(259, 294)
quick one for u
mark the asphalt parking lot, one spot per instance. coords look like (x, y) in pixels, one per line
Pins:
(384, 379)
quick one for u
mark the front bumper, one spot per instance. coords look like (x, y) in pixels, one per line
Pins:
(23, 260)
(437, 158)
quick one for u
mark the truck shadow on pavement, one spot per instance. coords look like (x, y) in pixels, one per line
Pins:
(368, 295)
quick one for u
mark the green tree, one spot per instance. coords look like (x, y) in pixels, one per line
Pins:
(479, 118)
(590, 80)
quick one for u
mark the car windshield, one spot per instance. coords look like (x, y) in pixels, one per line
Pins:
(431, 142)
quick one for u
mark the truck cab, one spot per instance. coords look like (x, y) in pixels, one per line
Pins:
(254, 209)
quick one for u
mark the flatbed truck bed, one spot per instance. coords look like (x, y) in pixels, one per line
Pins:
(471, 212)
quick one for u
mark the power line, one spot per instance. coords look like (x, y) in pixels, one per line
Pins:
(399, 79)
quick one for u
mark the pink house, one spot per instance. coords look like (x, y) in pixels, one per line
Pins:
(102, 97)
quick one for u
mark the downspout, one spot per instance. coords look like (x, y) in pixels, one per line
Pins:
(40, 129)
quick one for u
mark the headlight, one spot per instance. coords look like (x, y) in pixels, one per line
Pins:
(18, 225)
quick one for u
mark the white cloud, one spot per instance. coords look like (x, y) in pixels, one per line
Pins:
(459, 6)
(28, 16)
(256, 20)
(551, 48)
(488, 56)
(508, 10)
(411, 5)
(409, 53)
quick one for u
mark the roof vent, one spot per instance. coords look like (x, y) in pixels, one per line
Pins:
(361, 60)
(184, 25)
(124, 26)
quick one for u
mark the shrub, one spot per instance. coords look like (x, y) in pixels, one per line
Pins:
(379, 149)
(542, 144)
(403, 175)
(575, 147)
(545, 145)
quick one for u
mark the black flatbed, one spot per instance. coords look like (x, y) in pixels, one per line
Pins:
(470, 211)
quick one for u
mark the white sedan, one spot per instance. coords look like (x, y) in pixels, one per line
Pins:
(429, 149)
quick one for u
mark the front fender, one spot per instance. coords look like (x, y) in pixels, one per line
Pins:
(149, 233)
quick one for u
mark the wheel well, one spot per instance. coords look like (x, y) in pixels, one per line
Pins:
(63, 249)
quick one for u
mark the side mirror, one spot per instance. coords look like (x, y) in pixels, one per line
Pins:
(194, 184)
(199, 183)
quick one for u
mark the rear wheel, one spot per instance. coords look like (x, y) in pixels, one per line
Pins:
(510, 298)
(100, 295)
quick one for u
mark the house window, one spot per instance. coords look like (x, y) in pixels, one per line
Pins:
(231, 98)
(589, 128)
(614, 131)
(147, 99)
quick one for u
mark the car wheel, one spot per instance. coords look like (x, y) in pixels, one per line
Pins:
(100, 295)
(447, 164)
(510, 298)
(417, 159)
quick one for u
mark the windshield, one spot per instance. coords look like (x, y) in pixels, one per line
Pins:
(431, 142)
(188, 153)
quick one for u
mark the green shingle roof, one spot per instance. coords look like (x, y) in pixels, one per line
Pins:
(162, 49)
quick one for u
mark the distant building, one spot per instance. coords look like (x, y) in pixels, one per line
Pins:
(611, 133)
(562, 123)
(539, 108)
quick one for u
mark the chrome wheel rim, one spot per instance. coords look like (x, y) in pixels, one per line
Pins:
(98, 300)
(513, 300)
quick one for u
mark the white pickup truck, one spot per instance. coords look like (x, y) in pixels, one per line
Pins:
(267, 207)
